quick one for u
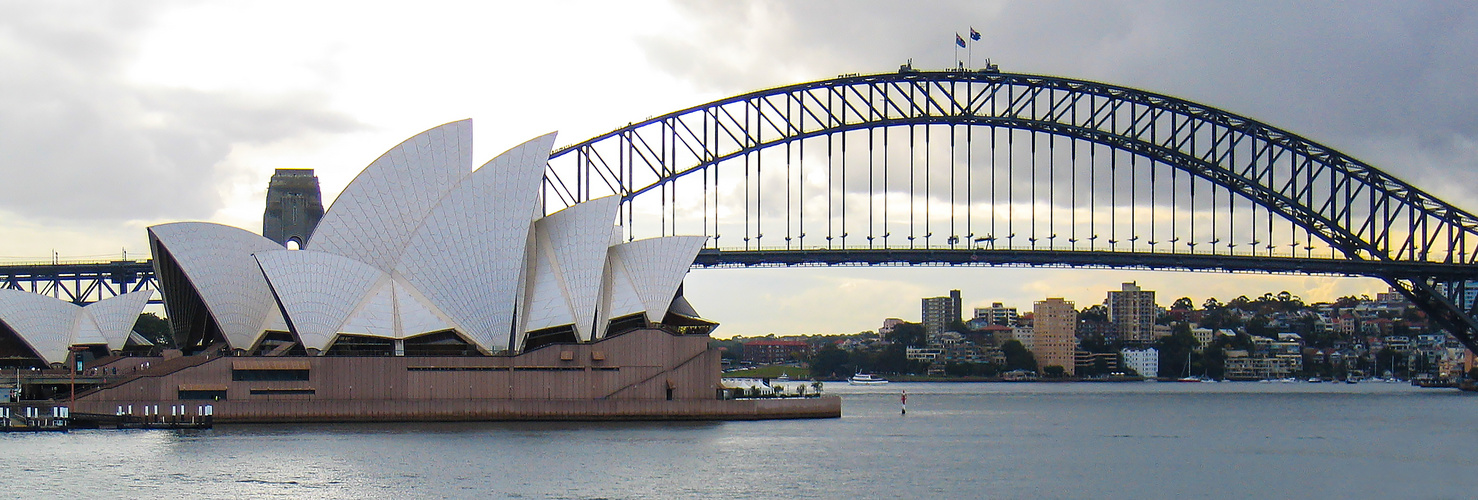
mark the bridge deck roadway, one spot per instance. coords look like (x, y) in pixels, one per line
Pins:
(1083, 259)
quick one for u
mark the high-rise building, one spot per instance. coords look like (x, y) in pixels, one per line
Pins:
(941, 312)
(997, 314)
(1054, 339)
(1133, 311)
(294, 206)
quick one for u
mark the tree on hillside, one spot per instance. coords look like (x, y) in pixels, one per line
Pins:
(1017, 357)
(154, 328)
(830, 362)
(732, 349)
(1175, 350)
(909, 334)
(1183, 303)
(1094, 313)
(1241, 303)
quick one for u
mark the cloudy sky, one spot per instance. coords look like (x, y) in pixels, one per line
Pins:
(118, 115)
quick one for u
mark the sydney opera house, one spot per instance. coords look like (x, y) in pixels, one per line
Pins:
(429, 290)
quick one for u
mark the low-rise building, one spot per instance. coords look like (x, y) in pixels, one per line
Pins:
(1203, 337)
(927, 354)
(769, 351)
(1145, 362)
(1244, 365)
(1090, 362)
(1024, 334)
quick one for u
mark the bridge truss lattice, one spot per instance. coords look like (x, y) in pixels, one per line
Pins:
(989, 168)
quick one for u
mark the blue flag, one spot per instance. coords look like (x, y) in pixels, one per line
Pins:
(959, 40)
(974, 35)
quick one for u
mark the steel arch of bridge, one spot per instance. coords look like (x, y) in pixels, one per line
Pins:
(1370, 223)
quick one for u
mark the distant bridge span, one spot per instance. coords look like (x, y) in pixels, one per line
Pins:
(989, 168)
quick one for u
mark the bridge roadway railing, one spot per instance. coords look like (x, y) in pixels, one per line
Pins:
(862, 256)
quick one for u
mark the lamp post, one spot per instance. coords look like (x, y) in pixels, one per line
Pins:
(76, 366)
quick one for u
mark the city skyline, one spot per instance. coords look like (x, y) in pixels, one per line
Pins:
(187, 106)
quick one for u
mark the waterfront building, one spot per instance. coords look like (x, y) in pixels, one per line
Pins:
(1145, 362)
(422, 250)
(1245, 365)
(433, 291)
(927, 354)
(939, 313)
(1133, 311)
(294, 207)
(1054, 334)
(771, 351)
(1102, 363)
(997, 314)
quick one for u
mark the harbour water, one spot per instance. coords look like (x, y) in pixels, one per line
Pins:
(967, 440)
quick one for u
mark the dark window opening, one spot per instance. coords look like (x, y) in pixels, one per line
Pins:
(269, 392)
(445, 343)
(275, 342)
(268, 375)
(208, 395)
(686, 325)
(14, 353)
(626, 323)
(358, 345)
(547, 336)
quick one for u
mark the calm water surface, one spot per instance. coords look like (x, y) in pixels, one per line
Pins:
(1146, 440)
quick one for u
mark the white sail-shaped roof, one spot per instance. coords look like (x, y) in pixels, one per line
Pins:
(43, 323)
(218, 262)
(420, 243)
(375, 216)
(546, 305)
(375, 314)
(655, 267)
(416, 314)
(114, 317)
(394, 309)
(624, 300)
(469, 253)
(572, 247)
(317, 290)
(85, 331)
(49, 326)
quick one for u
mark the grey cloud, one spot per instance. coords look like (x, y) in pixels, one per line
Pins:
(78, 140)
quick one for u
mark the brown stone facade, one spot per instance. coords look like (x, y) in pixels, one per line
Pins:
(642, 375)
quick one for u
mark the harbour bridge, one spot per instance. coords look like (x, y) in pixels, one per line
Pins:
(981, 167)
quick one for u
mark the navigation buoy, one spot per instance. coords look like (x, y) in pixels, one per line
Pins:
(903, 401)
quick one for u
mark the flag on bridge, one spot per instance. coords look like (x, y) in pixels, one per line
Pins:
(959, 40)
(974, 35)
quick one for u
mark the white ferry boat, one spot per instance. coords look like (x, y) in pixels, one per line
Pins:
(866, 379)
